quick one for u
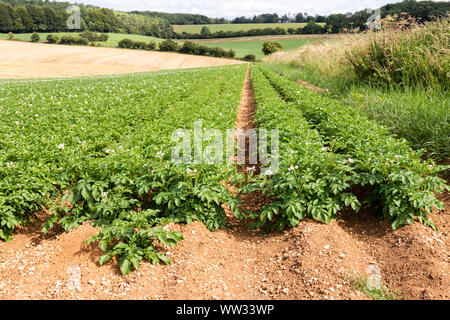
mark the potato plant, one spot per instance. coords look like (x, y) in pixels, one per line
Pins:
(401, 184)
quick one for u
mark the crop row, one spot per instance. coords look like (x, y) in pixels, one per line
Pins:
(311, 181)
(99, 150)
(398, 181)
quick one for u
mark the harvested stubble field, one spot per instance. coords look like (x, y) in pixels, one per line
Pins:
(312, 260)
(36, 60)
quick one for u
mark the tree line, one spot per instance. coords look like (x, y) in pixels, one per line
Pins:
(29, 16)
(206, 33)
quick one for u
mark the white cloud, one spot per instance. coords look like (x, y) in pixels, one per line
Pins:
(234, 8)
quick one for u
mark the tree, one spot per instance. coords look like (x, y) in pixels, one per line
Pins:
(320, 19)
(313, 28)
(190, 47)
(35, 37)
(300, 17)
(285, 18)
(205, 33)
(270, 47)
(250, 57)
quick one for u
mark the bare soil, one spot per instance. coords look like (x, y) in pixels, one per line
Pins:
(37, 60)
(310, 261)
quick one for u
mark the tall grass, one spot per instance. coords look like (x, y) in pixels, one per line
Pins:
(398, 76)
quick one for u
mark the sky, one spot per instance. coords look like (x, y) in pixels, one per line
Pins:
(235, 8)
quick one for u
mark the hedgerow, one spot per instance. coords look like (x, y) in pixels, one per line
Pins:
(132, 44)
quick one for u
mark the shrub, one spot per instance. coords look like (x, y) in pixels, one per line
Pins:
(231, 53)
(103, 37)
(138, 45)
(190, 47)
(87, 35)
(35, 37)
(203, 50)
(218, 52)
(70, 40)
(94, 37)
(10, 36)
(313, 28)
(51, 38)
(168, 45)
(250, 57)
(270, 47)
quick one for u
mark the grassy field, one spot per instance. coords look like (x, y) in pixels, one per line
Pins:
(243, 48)
(235, 27)
(113, 40)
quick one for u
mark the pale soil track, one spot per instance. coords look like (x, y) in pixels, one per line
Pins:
(311, 261)
(37, 60)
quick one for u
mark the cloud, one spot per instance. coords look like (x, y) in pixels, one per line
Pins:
(234, 8)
